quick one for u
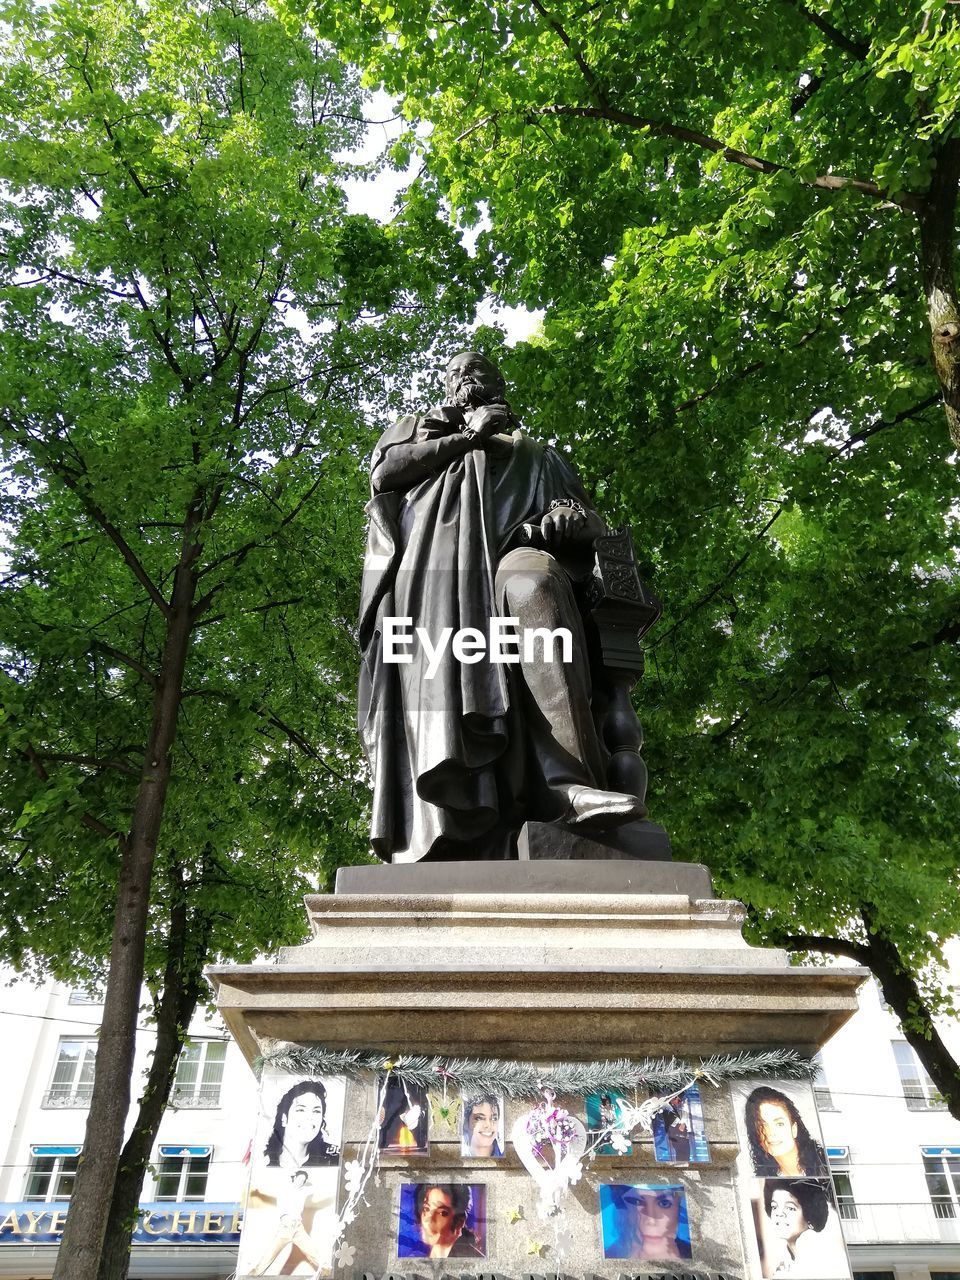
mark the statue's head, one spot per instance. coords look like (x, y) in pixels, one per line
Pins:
(471, 379)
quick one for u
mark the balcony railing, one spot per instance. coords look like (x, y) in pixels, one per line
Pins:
(901, 1223)
(196, 1099)
(919, 1099)
(68, 1097)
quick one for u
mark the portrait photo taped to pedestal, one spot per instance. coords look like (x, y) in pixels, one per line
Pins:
(442, 1220)
(779, 1129)
(798, 1230)
(679, 1134)
(646, 1222)
(788, 1195)
(482, 1132)
(603, 1112)
(291, 1208)
(404, 1119)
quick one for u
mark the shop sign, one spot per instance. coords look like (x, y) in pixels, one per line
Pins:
(34, 1222)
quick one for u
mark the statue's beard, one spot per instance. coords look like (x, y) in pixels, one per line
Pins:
(468, 394)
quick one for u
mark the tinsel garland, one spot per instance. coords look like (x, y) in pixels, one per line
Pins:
(528, 1079)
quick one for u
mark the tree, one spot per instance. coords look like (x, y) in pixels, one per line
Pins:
(197, 333)
(741, 221)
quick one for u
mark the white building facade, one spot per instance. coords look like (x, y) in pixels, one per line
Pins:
(190, 1212)
(894, 1149)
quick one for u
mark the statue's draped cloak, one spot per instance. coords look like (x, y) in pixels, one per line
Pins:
(446, 756)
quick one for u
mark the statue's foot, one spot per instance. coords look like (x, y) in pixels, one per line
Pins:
(593, 809)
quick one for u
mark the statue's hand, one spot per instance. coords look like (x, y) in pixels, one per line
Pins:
(565, 525)
(487, 420)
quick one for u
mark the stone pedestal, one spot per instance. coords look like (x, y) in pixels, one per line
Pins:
(546, 962)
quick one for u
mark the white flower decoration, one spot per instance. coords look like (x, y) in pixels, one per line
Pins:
(619, 1141)
(348, 1216)
(353, 1176)
(345, 1255)
(564, 1241)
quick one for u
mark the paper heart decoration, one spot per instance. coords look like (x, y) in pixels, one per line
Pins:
(553, 1160)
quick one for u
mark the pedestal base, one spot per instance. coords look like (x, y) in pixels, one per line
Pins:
(549, 962)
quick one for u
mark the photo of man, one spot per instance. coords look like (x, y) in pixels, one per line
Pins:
(442, 1220)
(798, 1229)
(482, 1132)
(679, 1135)
(404, 1120)
(291, 1208)
(645, 1222)
(779, 1129)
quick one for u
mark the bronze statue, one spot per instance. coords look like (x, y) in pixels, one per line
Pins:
(471, 520)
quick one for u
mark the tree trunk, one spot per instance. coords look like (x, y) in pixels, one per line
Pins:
(902, 994)
(183, 985)
(78, 1257)
(938, 217)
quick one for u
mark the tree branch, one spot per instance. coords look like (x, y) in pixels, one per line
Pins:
(831, 946)
(855, 48)
(92, 762)
(258, 608)
(586, 70)
(88, 820)
(116, 537)
(734, 569)
(882, 424)
(144, 672)
(666, 129)
(240, 553)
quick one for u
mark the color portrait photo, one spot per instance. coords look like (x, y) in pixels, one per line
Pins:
(679, 1135)
(404, 1119)
(603, 1112)
(291, 1209)
(482, 1127)
(647, 1222)
(442, 1220)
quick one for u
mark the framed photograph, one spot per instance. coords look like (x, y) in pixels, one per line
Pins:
(442, 1220)
(481, 1134)
(603, 1112)
(679, 1135)
(798, 1229)
(778, 1129)
(404, 1120)
(644, 1221)
(291, 1209)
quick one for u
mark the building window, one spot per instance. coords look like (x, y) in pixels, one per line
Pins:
(839, 1158)
(72, 1083)
(918, 1089)
(181, 1173)
(942, 1167)
(82, 995)
(874, 1275)
(51, 1173)
(821, 1090)
(199, 1074)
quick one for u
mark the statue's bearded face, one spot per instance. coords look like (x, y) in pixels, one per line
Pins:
(473, 380)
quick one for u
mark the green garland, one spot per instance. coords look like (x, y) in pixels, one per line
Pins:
(528, 1080)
